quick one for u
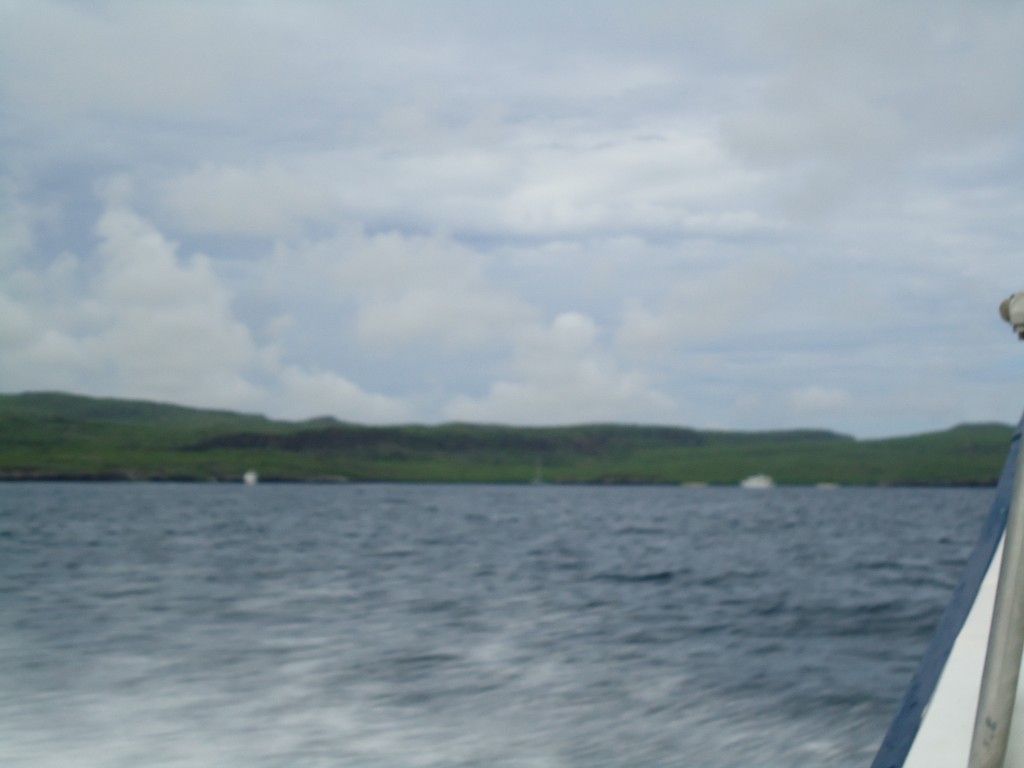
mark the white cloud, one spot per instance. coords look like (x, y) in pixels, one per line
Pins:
(854, 100)
(29, 295)
(550, 178)
(706, 303)
(307, 393)
(541, 178)
(17, 225)
(561, 375)
(154, 325)
(405, 289)
(165, 326)
(268, 200)
(814, 400)
(17, 329)
(376, 204)
(172, 60)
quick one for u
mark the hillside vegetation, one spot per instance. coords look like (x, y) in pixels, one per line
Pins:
(61, 436)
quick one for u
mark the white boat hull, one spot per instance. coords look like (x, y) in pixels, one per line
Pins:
(935, 724)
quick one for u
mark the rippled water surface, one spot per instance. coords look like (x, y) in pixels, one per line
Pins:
(392, 626)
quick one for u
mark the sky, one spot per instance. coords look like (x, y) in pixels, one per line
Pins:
(743, 215)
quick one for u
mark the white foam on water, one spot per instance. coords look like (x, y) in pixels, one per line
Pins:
(192, 726)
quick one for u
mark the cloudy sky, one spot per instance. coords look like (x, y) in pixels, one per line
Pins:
(741, 215)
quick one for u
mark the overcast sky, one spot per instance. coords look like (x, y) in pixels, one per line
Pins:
(741, 215)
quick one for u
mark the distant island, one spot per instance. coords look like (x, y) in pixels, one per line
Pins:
(57, 436)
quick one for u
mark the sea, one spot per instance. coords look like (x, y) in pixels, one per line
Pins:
(457, 626)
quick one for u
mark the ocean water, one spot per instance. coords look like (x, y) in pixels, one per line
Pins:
(395, 626)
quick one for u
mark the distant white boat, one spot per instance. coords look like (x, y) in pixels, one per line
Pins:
(250, 477)
(758, 482)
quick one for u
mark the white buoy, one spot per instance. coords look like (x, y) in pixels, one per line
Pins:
(250, 477)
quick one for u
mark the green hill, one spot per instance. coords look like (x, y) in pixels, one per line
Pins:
(61, 436)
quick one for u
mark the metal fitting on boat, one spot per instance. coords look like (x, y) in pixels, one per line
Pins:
(1012, 311)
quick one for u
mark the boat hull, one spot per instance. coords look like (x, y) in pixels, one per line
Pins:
(935, 723)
